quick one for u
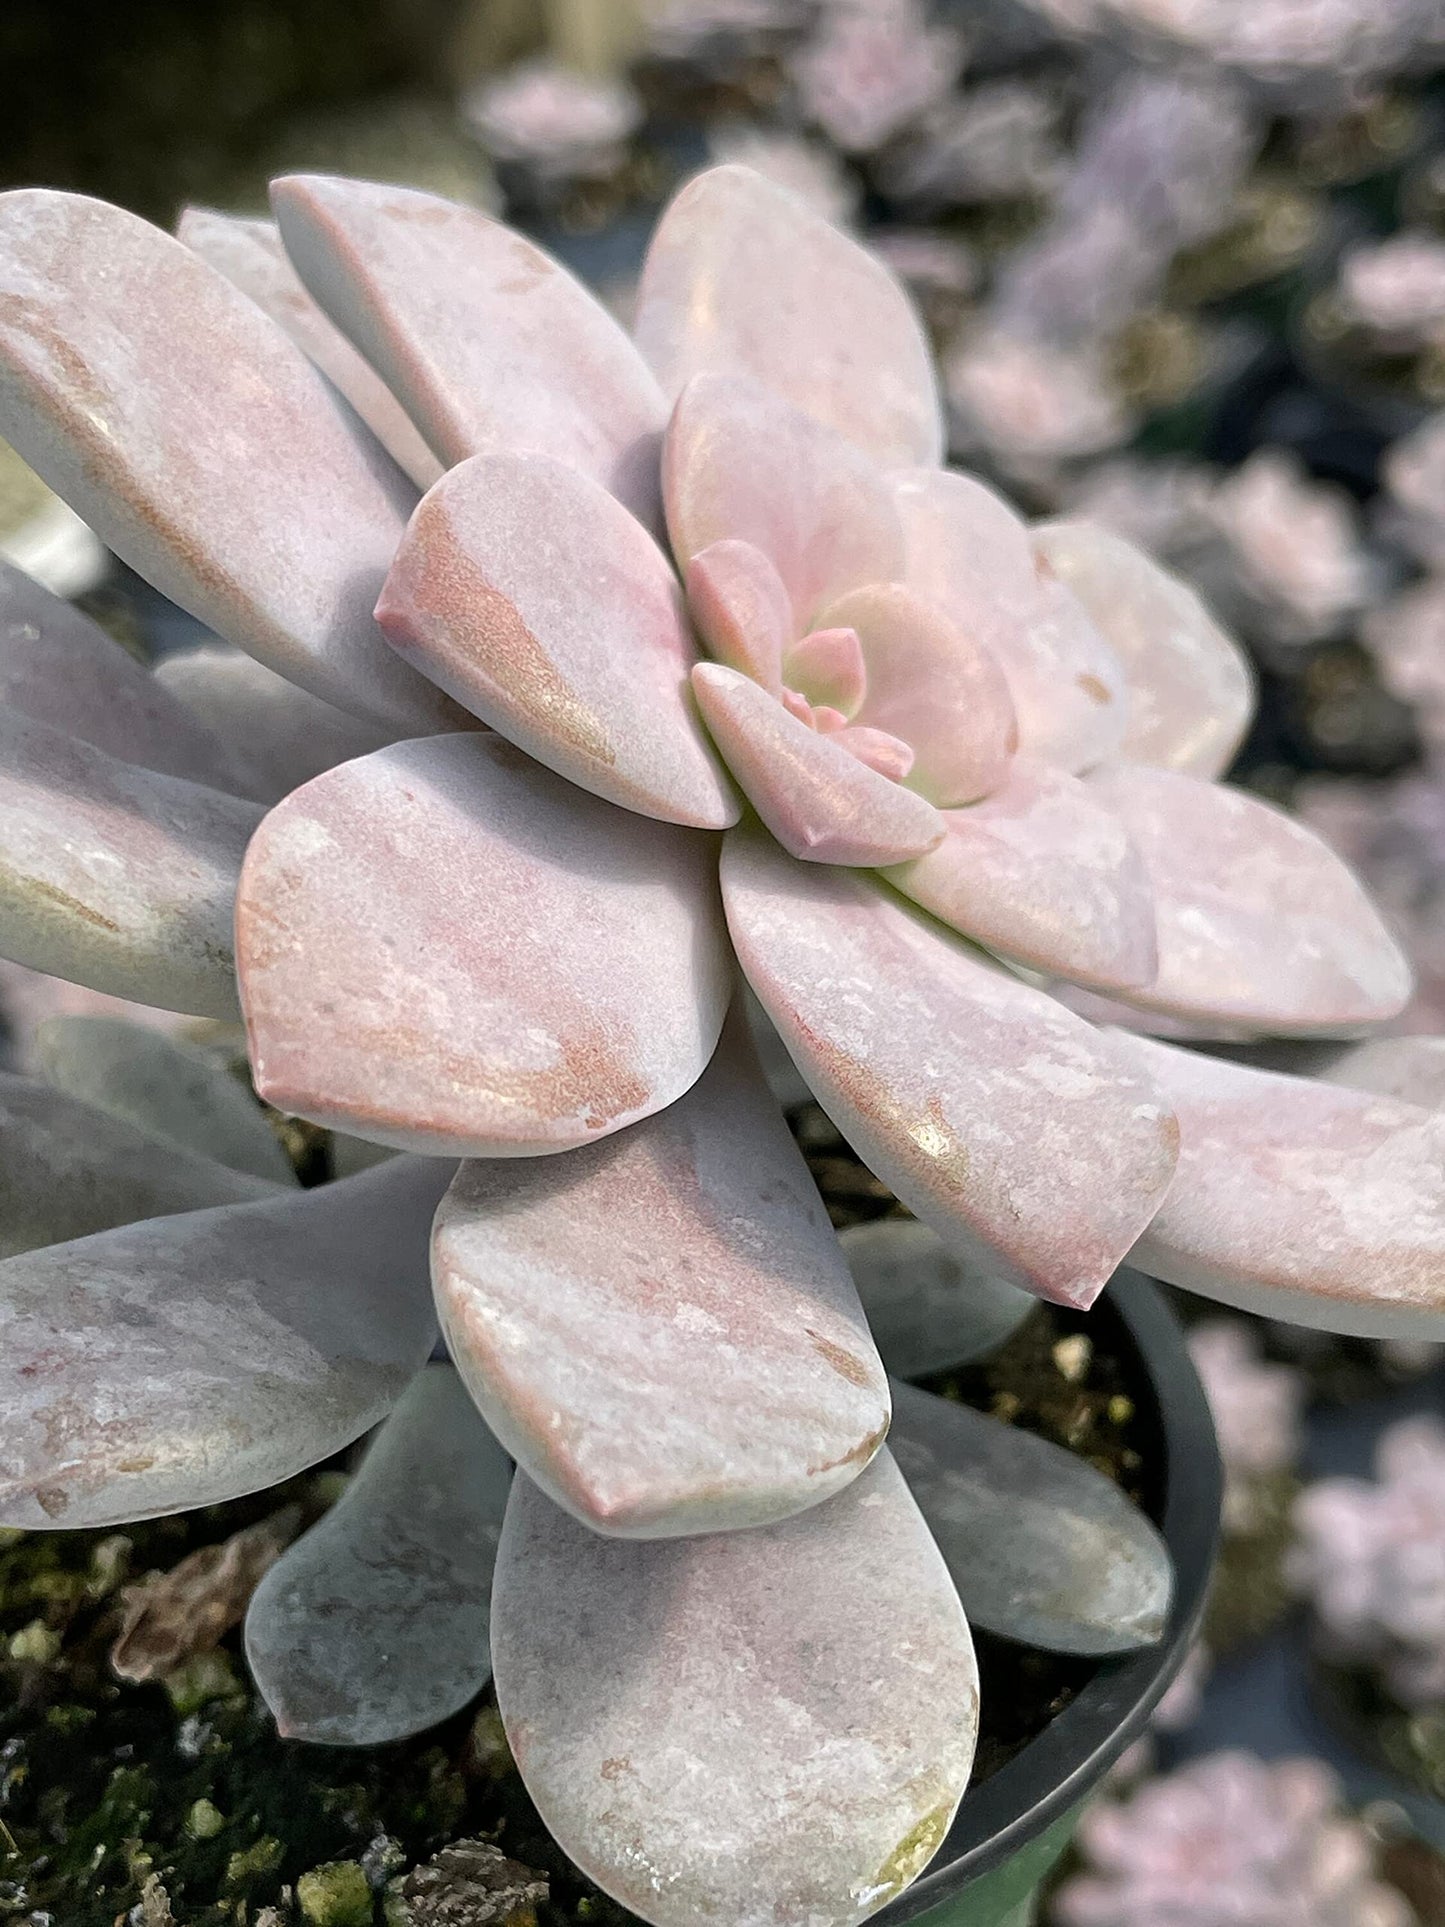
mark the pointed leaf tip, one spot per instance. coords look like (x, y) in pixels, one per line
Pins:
(1260, 926)
(822, 803)
(1300, 1199)
(533, 597)
(661, 1328)
(1035, 1146)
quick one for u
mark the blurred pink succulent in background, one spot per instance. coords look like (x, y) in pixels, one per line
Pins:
(1300, 568)
(871, 67)
(1229, 1841)
(1371, 1560)
(1396, 288)
(562, 123)
(464, 791)
(1256, 1408)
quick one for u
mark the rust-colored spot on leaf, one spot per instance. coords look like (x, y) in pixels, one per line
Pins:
(72, 905)
(843, 1362)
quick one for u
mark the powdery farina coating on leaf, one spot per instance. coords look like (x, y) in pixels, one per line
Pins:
(491, 945)
(646, 1319)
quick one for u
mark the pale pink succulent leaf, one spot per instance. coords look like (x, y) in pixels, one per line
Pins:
(533, 597)
(743, 279)
(60, 668)
(875, 747)
(1044, 872)
(175, 416)
(1034, 1146)
(970, 553)
(1042, 1546)
(68, 1169)
(741, 465)
(173, 1090)
(188, 1360)
(660, 1328)
(1300, 1199)
(823, 804)
(485, 340)
(1191, 689)
(826, 666)
(931, 684)
(742, 610)
(374, 1624)
(117, 877)
(445, 947)
(252, 257)
(1411, 1069)
(834, 1641)
(277, 735)
(927, 1309)
(1260, 925)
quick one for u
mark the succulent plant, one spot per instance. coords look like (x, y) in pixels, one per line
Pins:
(1371, 1559)
(1255, 1406)
(1230, 1841)
(461, 855)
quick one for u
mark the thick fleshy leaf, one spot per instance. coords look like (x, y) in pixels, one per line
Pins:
(200, 443)
(743, 279)
(532, 596)
(374, 1625)
(162, 1086)
(484, 339)
(1301, 1199)
(822, 803)
(1043, 871)
(277, 736)
(827, 667)
(968, 552)
(1260, 925)
(60, 668)
(927, 1309)
(1411, 1069)
(117, 877)
(67, 1169)
(740, 465)
(1042, 1547)
(661, 1328)
(1191, 689)
(1035, 1147)
(253, 258)
(741, 606)
(187, 1360)
(932, 685)
(447, 948)
(831, 1649)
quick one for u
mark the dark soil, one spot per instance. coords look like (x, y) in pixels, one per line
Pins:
(106, 1787)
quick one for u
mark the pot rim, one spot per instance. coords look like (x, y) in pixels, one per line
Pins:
(1061, 1766)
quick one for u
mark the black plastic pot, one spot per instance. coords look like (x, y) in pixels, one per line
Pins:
(1010, 1830)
